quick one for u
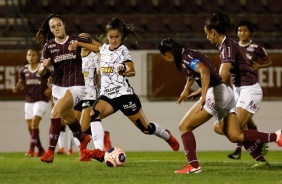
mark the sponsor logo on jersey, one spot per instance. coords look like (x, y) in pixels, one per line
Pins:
(64, 57)
(107, 69)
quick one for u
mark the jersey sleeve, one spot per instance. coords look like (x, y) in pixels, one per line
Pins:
(125, 55)
(21, 73)
(227, 53)
(262, 53)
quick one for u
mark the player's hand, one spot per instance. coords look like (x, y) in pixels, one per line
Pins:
(15, 89)
(48, 91)
(256, 66)
(73, 46)
(183, 97)
(46, 62)
(121, 69)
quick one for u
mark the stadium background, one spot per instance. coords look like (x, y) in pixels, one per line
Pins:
(182, 20)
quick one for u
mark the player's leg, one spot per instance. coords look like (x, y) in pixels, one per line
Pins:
(189, 122)
(100, 109)
(28, 108)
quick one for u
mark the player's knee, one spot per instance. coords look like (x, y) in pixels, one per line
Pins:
(150, 129)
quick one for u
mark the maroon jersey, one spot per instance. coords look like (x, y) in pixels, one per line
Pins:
(190, 58)
(241, 70)
(254, 51)
(35, 84)
(67, 64)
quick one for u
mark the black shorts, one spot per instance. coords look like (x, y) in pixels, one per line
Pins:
(83, 104)
(128, 104)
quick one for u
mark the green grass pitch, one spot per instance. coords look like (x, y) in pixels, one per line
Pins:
(140, 168)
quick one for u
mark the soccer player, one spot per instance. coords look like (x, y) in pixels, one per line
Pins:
(36, 99)
(255, 53)
(116, 93)
(247, 90)
(68, 84)
(217, 99)
(90, 69)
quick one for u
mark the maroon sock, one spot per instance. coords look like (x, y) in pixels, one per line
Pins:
(254, 151)
(33, 139)
(189, 144)
(37, 138)
(76, 129)
(239, 147)
(259, 137)
(54, 133)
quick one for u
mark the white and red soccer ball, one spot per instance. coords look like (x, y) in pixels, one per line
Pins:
(115, 157)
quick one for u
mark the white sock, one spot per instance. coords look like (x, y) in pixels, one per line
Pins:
(70, 140)
(61, 140)
(77, 142)
(160, 132)
(97, 135)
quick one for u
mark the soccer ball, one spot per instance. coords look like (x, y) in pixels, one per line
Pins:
(115, 157)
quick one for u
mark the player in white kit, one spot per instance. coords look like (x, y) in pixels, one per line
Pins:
(116, 93)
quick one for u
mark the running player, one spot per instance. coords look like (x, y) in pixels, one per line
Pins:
(116, 93)
(90, 69)
(217, 99)
(255, 53)
(247, 91)
(68, 82)
(36, 99)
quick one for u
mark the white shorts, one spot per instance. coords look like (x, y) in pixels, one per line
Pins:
(248, 97)
(35, 109)
(220, 101)
(76, 91)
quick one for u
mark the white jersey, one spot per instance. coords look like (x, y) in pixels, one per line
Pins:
(90, 65)
(112, 84)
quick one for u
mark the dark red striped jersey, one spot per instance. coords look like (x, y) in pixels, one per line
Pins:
(241, 70)
(191, 57)
(67, 64)
(35, 84)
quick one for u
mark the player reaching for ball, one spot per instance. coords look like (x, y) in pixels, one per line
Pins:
(116, 93)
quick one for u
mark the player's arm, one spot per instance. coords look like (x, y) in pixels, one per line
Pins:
(266, 63)
(43, 67)
(19, 86)
(202, 69)
(94, 46)
(185, 93)
(224, 72)
(127, 69)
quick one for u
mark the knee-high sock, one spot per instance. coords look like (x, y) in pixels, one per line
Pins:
(160, 131)
(76, 130)
(35, 139)
(97, 134)
(54, 133)
(189, 143)
(259, 137)
(61, 141)
(254, 151)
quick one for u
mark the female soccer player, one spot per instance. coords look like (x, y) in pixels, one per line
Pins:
(90, 69)
(254, 53)
(36, 99)
(217, 99)
(68, 81)
(247, 91)
(116, 93)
